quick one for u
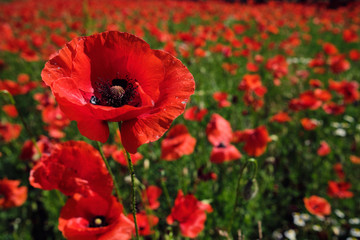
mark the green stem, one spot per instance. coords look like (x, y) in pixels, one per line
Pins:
(133, 199)
(27, 129)
(236, 197)
(117, 189)
(167, 196)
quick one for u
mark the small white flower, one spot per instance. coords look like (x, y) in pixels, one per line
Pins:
(277, 235)
(299, 221)
(335, 124)
(274, 137)
(355, 232)
(340, 132)
(336, 230)
(316, 228)
(348, 118)
(305, 216)
(307, 142)
(290, 234)
(339, 213)
(354, 221)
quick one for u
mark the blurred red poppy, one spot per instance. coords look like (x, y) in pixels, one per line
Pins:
(150, 196)
(309, 124)
(339, 189)
(120, 157)
(218, 130)
(10, 110)
(255, 140)
(11, 195)
(324, 149)
(72, 167)
(338, 168)
(355, 159)
(281, 117)
(9, 131)
(317, 205)
(116, 77)
(224, 153)
(178, 142)
(195, 114)
(190, 213)
(94, 218)
(333, 108)
(145, 222)
(221, 98)
(30, 153)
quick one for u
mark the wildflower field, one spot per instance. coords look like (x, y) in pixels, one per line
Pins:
(179, 120)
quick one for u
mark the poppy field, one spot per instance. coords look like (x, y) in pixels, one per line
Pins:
(179, 120)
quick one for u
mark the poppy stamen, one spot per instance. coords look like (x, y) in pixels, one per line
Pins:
(117, 93)
(98, 221)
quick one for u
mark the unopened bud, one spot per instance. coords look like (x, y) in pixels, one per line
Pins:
(250, 189)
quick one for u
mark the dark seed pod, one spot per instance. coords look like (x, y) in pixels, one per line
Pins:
(250, 189)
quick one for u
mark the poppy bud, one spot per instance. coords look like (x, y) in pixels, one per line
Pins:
(250, 189)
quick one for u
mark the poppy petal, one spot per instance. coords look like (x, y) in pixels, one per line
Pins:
(87, 127)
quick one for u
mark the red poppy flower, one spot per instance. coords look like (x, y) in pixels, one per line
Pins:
(277, 66)
(145, 222)
(9, 131)
(355, 159)
(354, 54)
(178, 142)
(16, 88)
(255, 140)
(56, 121)
(72, 167)
(150, 196)
(324, 149)
(317, 205)
(281, 117)
(339, 189)
(115, 77)
(30, 153)
(315, 83)
(120, 157)
(338, 64)
(339, 170)
(11, 195)
(224, 153)
(221, 98)
(350, 36)
(330, 49)
(218, 130)
(10, 110)
(333, 108)
(309, 124)
(94, 218)
(108, 149)
(195, 114)
(348, 89)
(190, 213)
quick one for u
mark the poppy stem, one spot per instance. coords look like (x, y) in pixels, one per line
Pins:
(27, 129)
(133, 200)
(117, 189)
(236, 197)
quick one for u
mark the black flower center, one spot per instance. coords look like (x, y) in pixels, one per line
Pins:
(221, 145)
(117, 93)
(98, 221)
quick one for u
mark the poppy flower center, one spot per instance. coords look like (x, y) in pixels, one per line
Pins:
(117, 93)
(221, 145)
(98, 221)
